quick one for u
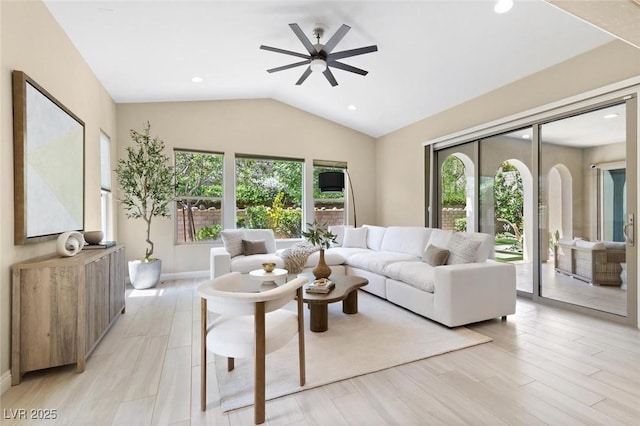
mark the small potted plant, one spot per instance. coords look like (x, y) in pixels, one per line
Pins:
(321, 237)
(146, 181)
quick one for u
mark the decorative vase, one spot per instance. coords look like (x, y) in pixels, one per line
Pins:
(144, 275)
(322, 270)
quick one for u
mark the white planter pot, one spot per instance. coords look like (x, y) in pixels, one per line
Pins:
(144, 274)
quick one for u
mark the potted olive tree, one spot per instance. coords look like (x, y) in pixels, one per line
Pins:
(321, 237)
(146, 181)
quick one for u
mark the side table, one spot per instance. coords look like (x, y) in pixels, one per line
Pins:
(267, 279)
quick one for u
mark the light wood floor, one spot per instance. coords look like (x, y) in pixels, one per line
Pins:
(544, 366)
(558, 286)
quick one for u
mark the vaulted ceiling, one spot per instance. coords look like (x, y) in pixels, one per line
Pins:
(432, 55)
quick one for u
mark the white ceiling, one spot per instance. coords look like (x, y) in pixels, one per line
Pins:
(432, 55)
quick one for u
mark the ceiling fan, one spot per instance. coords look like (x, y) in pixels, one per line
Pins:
(320, 57)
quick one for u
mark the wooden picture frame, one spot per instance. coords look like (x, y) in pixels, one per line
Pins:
(48, 152)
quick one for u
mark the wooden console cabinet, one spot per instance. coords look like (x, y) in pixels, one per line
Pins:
(63, 306)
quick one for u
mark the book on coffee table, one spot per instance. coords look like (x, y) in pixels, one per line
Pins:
(320, 286)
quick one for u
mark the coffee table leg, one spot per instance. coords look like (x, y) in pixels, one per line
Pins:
(350, 303)
(319, 317)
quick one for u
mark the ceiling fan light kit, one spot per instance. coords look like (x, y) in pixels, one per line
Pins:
(319, 57)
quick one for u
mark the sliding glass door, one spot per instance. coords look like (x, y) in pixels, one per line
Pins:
(583, 201)
(559, 197)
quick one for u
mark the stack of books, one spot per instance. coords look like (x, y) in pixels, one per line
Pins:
(102, 245)
(321, 286)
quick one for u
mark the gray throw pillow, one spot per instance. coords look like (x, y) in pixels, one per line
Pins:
(254, 247)
(435, 256)
(232, 241)
(462, 249)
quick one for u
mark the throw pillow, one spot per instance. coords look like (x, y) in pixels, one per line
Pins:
(435, 256)
(462, 249)
(232, 241)
(355, 237)
(254, 247)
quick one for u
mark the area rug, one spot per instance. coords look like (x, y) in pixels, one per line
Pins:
(380, 336)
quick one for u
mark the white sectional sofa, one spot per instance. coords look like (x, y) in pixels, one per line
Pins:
(400, 265)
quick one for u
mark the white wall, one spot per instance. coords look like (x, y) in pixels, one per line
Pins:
(400, 155)
(32, 41)
(261, 127)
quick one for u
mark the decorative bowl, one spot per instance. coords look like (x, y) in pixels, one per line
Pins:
(93, 237)
(269, 266)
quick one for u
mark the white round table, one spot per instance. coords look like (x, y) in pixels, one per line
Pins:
(267, 279)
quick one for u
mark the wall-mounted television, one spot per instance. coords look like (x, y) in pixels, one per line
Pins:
(48, 163)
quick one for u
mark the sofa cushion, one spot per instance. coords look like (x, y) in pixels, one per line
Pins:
(377, 261)
(406, 239)
(262, 234)
(245, 264)
(232, 241)
(250, 247)
(374, 236)
(355, 237)
(487, 243)
(440, 237)
(615, 245)
(417, 274)
(462, 249)
(346, 252)
(331, 258)
(434, 255)
(592, 245)
(567, 241)
(338, 231)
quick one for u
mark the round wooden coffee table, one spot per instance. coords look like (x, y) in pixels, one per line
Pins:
(346, 290)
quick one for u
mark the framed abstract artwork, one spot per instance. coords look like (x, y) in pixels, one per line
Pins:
(48, 163)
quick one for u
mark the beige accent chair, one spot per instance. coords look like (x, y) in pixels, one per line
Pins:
(249, 325)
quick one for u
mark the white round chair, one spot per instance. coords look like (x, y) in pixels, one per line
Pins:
(249, 325)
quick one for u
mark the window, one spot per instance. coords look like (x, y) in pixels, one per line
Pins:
(328, 207)
(199, 186)
(269, 195)
(105, 185)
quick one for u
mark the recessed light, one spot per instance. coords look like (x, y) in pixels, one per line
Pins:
(526, 136)
(612, 115)
(351, 107)
(503, 6)
(197, 79)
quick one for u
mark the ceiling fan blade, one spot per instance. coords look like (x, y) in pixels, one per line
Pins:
(332, 80)
(303, 38)
(346, 67)
(286, 52)
(335, 39)
(351, 52)
(286, 67)
(304, 76)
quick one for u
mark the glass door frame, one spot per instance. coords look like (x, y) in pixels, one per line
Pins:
(628, 95)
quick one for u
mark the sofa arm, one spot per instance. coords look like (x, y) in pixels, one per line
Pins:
(219, 262)
(473, 292)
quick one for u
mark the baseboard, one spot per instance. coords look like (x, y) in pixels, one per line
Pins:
(184, 275)
(5, 381)
(179, 276)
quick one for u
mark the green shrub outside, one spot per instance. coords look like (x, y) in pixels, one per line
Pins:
(209, 233)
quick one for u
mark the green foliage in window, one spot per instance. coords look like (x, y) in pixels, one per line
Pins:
(453, 182)
(259, 181)
(209, 233)
(460, 224)
(508, 196)
(257, 217)
(198, 174)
